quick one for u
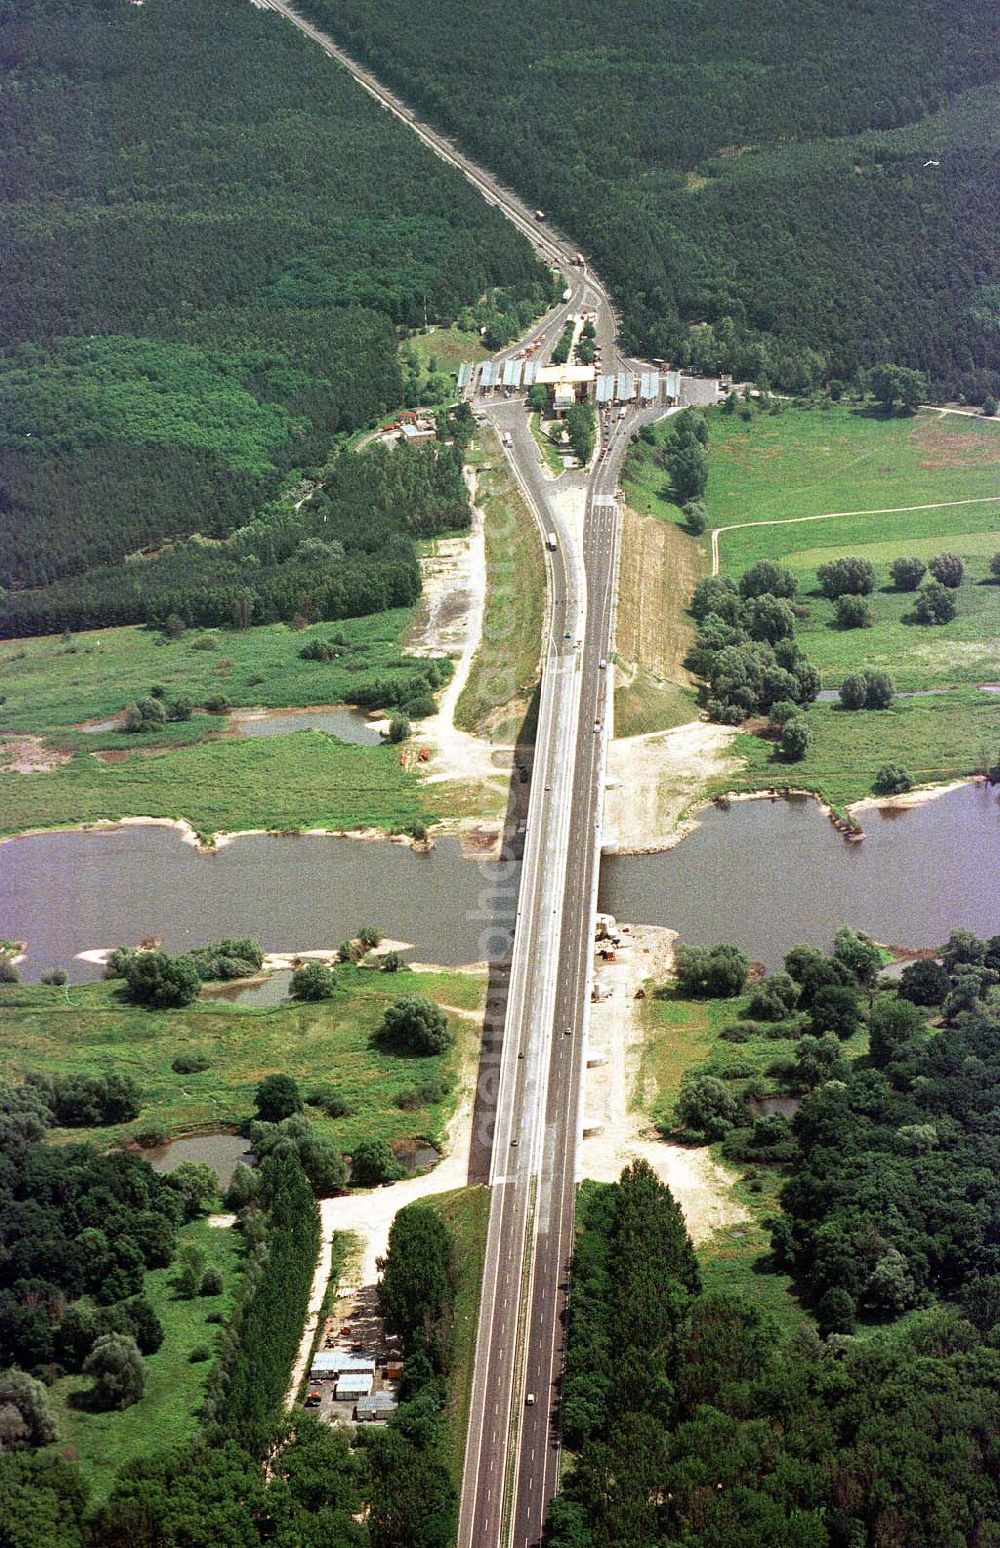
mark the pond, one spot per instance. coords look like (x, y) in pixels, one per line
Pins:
(767, 874)
(219, 1151)
(69, 892)
(350, 725)
(257, 994)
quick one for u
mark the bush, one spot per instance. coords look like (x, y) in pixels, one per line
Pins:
(159, 981)
(392, 962)
(935, 604)
(718, 972)
(948, 569)
(695, 517)
(211, 1281)
(118, 1371)
(199, 1354)
(276, 1098)
(313, 981)
(190, 1064)
(24, 1411)
(399, 728)
(705, 1107)
(853, 612)
(854, 691)
(87, 1101)
(907, 573)
(197, 1185)
(995, 566)
(8, 970)
(795, 737)
(737, 1033)
(880, 691)
(924, 982)
(892, 779)
(416, 1026)
(217, 704)
(180, 708)
(329, 1100)
(151, 1137)
(835, 1009)
(373, 1163)
(55, 977)
(767, 577)
(990, 406)
(370, 937)
(784, 710)
(849, 575)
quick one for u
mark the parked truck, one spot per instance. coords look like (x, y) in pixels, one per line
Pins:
(551, 542)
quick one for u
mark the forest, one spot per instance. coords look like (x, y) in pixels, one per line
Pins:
(696, 1418)
(792, 194)
(307, 561)
(207, 267)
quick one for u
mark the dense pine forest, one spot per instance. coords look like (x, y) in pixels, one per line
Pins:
(790, 192)
(206, 264)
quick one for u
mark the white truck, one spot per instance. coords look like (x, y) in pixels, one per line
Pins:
(551, 541)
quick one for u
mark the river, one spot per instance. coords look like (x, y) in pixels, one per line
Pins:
(764, 874)
(69, 892)
(767, 874)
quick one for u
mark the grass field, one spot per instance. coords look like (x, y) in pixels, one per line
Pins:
(164, 1417)
(807, 461)
(218, 783)
(88, 1028)
(441, 351)
(548, 452)
(505, 667)
(466, 1211)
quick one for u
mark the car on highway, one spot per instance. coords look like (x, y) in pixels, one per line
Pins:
(529, 1401)
(603, 664)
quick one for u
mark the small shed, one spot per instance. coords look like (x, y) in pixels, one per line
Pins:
(379, 1405)
(353, 1385)
(329, 1363)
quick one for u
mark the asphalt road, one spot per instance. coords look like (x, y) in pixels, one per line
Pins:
(512, 1452)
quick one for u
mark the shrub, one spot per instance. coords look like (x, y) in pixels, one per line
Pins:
(853, 612)
(392, 962)
(717, 972)
(190, 1064)
(795, 738)
(277, 1097)
(55, 977)
(118, 1371)
(217, 704)
(924, 982)
(766, 576)
(420, 706)
(205, 642)
(8, 970)
(854, 691)
(313, 981)
(995, 566)
(783, 711)
(373, 1163)
(880, 691)
(211, 1281)
(696, 517)
(705, 1107)
(370, 937)
(151, 1137)
(892, 779)
(329, 1100)
(416, 1026)
(935, 604)
(990, 406)
(180, 708)
(848, 575)
(173, 626)
(399, 728)
(160, 981)
(199, 1354)
(948, 569)
(907, 573)
(737, 1033)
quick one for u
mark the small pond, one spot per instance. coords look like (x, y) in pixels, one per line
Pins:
(258, 994)
(767, 874)
(769, 1107)
(219, 1151)
(350, 725)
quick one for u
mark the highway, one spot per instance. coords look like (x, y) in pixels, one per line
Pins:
(511, 1464)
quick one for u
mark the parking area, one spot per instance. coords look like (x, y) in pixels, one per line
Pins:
(355, 1373)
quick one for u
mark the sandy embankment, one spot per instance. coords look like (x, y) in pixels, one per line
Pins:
(619, 1131)
(654, 779)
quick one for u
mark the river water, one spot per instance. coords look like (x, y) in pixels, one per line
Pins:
(764, 874)
(66, 893)
(767, 874)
